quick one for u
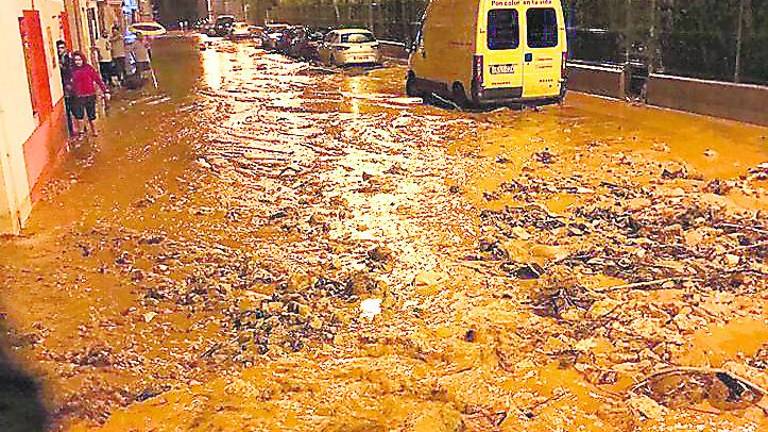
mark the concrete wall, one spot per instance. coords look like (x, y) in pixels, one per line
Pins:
(740, 102)
(396, 50)
(597, 80)
(18, 125)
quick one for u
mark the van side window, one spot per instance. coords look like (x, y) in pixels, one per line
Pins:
(542, 27)
(503, 29)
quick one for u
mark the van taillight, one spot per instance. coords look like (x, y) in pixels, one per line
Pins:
(477, 70)
(564, 67)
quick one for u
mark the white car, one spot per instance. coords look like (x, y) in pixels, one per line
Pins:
(349, 46)
(240, 30)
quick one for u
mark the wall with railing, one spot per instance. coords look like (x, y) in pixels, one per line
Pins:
(723, 40)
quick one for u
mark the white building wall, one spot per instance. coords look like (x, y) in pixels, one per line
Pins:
(17, 122)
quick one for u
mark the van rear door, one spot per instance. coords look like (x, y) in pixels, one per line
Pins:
(501, 52)
(543, 53)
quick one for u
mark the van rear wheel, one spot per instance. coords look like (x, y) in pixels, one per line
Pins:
(410, 86)
(459, 95)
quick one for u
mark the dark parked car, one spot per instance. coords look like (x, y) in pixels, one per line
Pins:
(223, 25)
(304, 43)
(283, 42)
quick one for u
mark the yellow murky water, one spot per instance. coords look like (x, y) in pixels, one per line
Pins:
(247, 177)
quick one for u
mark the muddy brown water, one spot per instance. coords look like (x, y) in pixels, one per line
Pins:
(200, 266)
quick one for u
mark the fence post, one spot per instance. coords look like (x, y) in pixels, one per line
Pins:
(739, 35)
(406, 28)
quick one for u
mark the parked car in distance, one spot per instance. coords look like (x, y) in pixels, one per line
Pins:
(276, 27)
(349, 46)
(223, 24)
(283, 42)
(208, 29)
(239, 30)
(257, 34)
(300, 46)
(274, 32)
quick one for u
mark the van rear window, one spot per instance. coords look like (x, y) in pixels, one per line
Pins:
(357, 38)
(542, 27)
(503, 29)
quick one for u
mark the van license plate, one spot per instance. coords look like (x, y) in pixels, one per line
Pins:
(502, 69)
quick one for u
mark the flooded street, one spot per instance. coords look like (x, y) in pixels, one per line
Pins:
(267, 245)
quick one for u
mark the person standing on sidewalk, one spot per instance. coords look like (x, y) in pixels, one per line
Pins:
(118, 54)
(85, 81)
(66, 64)
(103, 50)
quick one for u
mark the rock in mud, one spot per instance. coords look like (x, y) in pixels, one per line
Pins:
(647, 407)
(380, 254)
(684, 387)
(152, 391)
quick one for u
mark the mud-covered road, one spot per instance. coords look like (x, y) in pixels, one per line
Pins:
(267, 245)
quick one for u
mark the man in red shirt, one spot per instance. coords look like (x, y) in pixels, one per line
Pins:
(85, 81)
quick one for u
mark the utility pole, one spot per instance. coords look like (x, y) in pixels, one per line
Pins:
(628, 33)
(653, 44)
(739, 36)
(570, 29)
(404, 18)
(370, 15)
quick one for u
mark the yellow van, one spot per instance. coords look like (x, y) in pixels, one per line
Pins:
(490, 51)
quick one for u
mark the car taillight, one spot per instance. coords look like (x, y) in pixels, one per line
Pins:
(564, 67)
(477, 70)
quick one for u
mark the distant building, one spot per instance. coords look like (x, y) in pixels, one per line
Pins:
(137, 10)
(227, 7)
(32, 117)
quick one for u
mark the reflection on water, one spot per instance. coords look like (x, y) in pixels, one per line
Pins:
(212, 69)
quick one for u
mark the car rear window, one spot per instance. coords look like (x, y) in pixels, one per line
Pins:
(357, 38)
(503, 29)
(542, 27)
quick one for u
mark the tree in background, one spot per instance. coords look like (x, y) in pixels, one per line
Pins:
(170, 12)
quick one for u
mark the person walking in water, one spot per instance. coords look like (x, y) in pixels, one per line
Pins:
(66, 63)
(85, 81)
(118, 54)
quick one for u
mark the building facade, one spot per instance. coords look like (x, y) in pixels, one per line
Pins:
(33, 132)
(228, 7)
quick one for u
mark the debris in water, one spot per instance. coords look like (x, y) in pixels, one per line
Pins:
(687, 386)
(369, 308)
